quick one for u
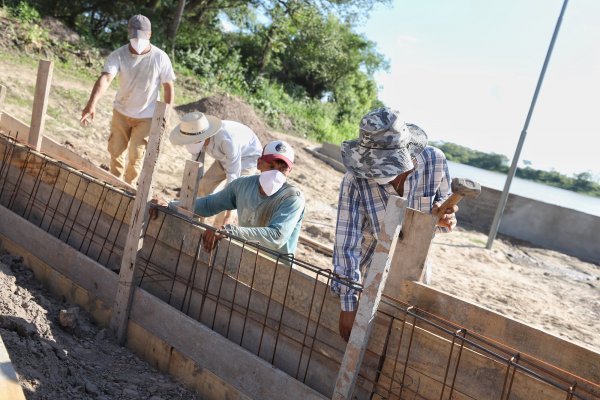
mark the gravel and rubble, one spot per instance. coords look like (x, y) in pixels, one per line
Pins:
(59, 353)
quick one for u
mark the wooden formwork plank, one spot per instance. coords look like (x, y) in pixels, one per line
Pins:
(437, 366)
(14, 127)
(189, 186)
(139, 218)
(61, 153)
(10, 389)
(411, 251)
(2, 97)
(59, 255)
(523, 338)
(243, 370)
(40, 103)
(371, 295)
(165, 358)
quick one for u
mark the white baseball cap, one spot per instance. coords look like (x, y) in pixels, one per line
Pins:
(279, 150)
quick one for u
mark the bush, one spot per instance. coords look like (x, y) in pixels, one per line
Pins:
(210, 64)
(26, 13)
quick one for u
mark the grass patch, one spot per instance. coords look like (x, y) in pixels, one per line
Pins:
(17, 58)
(477, 241)
(76, 96)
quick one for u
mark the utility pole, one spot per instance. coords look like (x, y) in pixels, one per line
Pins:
(515, 160)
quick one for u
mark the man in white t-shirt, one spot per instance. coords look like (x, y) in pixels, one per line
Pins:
(234, 147)
(142, 68)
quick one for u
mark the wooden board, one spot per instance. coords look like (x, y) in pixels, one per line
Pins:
(40, 103)
(14, 127)
(10, 389)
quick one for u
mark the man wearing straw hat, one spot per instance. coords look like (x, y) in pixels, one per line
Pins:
(142, 68)
(391, 157)
(234, 147)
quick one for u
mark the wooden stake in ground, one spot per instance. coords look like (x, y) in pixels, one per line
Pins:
(139, 218)
(189, 186)
(370, 297)
(2, 97)
(40, 103)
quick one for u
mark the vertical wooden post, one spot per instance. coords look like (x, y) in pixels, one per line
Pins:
(189, 186)
(40, 103)
(2, 98)
(370, 297)
(139, 218)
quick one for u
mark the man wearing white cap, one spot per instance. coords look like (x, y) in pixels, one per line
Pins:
(234, 147)
(142, 68)
(270, 210)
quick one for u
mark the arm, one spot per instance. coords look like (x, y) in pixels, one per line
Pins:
(280, 227)
(347, 252)
(99, 89)
(347, 245)
(447, 220)
(168, 92)
(214, 203)
(232, 164)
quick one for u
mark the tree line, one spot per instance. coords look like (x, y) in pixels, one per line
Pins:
(582, 182)
(301, 59)
(297, 61)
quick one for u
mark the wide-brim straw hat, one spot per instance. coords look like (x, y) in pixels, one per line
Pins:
(195, 127)
(385, 147)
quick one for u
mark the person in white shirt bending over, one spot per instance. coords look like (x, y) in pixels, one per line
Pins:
(234, 147)
(142, 68)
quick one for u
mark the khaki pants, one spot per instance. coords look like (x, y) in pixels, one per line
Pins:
(128, 133)
(211, 179)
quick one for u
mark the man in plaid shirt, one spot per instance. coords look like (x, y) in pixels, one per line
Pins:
(390, 157)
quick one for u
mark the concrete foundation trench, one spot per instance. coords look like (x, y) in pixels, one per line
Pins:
(244, 322)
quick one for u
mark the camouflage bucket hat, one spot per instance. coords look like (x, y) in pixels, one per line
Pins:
(385, 147)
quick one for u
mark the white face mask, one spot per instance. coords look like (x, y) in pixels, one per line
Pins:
(271, 181)
(139, 45)
(383, 181)
(194, 148)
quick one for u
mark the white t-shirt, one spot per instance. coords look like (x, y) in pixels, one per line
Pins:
(236, 147)
(140, 77)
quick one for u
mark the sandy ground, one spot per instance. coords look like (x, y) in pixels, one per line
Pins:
(548, 290)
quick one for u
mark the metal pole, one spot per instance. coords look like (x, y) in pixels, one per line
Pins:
(515, 160)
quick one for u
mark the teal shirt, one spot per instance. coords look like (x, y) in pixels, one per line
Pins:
(273, 221)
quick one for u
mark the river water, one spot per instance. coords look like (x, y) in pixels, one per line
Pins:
(529, 189)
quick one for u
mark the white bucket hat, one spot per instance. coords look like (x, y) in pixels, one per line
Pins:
(194, 127)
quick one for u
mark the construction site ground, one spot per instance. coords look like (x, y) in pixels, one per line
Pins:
(543, 288)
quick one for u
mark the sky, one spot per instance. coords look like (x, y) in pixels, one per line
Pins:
(466, 70)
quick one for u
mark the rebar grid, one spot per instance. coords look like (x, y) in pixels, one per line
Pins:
(274, 309)
(401, 375)
(238, 292)
(62, 201)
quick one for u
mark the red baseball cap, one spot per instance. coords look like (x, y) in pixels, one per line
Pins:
(279, 150)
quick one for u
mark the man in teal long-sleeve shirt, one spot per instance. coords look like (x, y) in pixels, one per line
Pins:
(270, 210)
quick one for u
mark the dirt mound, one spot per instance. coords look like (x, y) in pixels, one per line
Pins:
(59, 31)
(228, 107)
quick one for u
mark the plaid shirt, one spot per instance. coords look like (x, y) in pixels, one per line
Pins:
(361, 209)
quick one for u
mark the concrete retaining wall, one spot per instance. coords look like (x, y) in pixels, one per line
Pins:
(554, 227)
(557, 228)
